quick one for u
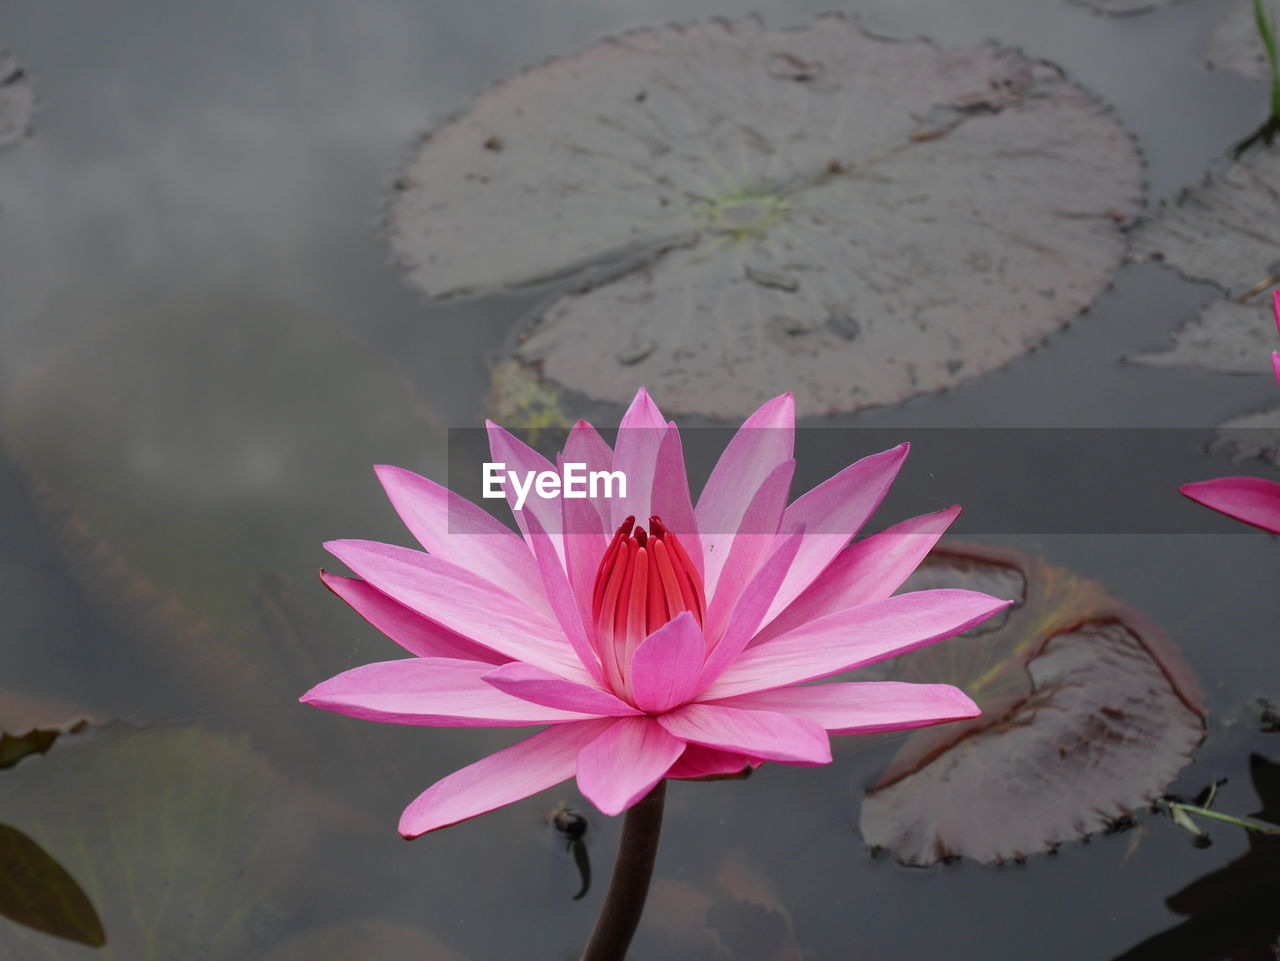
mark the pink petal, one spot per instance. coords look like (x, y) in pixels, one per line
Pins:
(586, 521)
(533, 765)
(1275, 363)
(635, 453)
(520, 457)
(463, 602)
(762, 734)
(706, 762)
(665, 667)
(864, 707)
(850, 639)
(534, 684)
(747, 549)
(456, 530)
(623, 764)
(671, 501)
(868, 570)
(765, 440)
(415, 633)
(564, 605)
(437, 691)
(1250, 499)
(832, 513)
(751, 606)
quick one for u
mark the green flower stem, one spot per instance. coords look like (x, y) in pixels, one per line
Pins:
(1261, 827)
(629, 887)
(1267, 30)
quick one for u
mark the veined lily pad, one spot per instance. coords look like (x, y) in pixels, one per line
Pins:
(1225, 230)
(189, 843)
(745, 212)
(1227, 336)
(1236, 44)
(17, 101)
(1088, 714)
(30, 725)
(370, 938)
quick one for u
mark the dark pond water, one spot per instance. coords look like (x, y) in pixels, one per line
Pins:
(204, 345)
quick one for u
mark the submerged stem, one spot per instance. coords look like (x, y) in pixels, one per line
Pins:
(630, 884)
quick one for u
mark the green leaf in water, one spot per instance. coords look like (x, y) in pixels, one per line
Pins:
(36, 891)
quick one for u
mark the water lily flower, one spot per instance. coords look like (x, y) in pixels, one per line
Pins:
(1250, 499)
(675, 647)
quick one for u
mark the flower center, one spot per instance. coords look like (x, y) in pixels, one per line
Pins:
(645, 579)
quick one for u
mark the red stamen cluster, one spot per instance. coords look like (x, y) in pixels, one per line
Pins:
(645, 579)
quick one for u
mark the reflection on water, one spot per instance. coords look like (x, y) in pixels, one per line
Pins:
(203, 348)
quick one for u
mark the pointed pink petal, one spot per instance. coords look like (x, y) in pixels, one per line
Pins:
(635, 453)
(850, 639)
(521, 458)
(623, 764)
(868, 570)
(706, 762)
(415, 633)
(564, 605)
(462, 602)
(832, 513)
(541, 687)
(754, 541)
(665, 667)
(1275, 363)
(765, 440)
(456, 530)
(436, 691)
(671, 501)
(1250, 499)
(864, 707)
(533, 765)
(751, 606)
(586, 520)
(762, 734)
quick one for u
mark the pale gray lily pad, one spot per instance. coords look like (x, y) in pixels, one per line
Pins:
(1226, 336)
(188, 843)
(17, 101)
(1225, 230)
(1088, 714)
(1236, 45)
(1253, 437)
(372, 938)
(745, 212)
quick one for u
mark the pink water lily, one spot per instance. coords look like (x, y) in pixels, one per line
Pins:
(675, 647)
(1250, 499)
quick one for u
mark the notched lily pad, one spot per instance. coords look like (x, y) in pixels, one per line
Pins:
(30, 725)
(1227, 336)
(189, 843)
(1253, 437)
(1225, 230)
(17, 101)
(1088, 714)
(1236, 44)
(1124, 8)
(745, 212)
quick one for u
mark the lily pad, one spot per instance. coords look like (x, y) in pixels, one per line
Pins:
(17, 101)
(130, 811)
(742, 212)
(1254, 436)
(1124, 8)
(1225, 231)
(1088, 714)
(1236, 44)
(30, 725)
(1226, 336)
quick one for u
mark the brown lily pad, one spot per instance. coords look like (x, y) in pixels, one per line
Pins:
(1088, 714)
(37, 892)
(743, 212)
